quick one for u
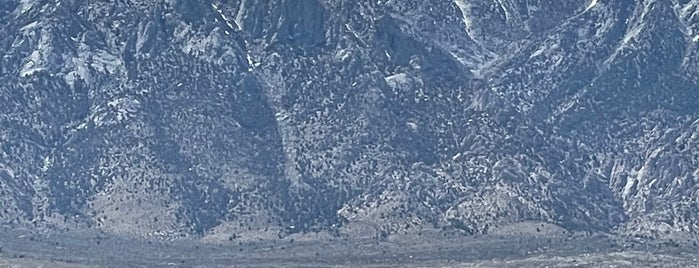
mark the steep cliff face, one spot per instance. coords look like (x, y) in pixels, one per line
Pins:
(257, 118)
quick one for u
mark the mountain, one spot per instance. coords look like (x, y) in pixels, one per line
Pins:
(266, 118)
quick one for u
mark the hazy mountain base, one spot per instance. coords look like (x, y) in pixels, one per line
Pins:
(544, 246)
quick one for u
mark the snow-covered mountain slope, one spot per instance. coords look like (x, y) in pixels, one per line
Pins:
(260, 118)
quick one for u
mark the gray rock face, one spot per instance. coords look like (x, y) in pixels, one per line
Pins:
(255, 118)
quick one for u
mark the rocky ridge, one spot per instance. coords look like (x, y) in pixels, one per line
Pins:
(264, 118)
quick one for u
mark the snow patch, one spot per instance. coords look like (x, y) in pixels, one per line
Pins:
(282, 115)
(29, 27)
(592, 4)
(342, 55)
(690, 9)
(228, 22)
(353, 32)
(635, 31)
(537, 52)
(504, 9)
(464, 8)
(142, 35)
(239, 15)
(30, 67)
(630, 183)
(24, 6)
(397, 80)
(7, 171)
(695, 38)
(412, 125)
(632, 34)
(459, 58)
(251, 63)
(48, 162)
